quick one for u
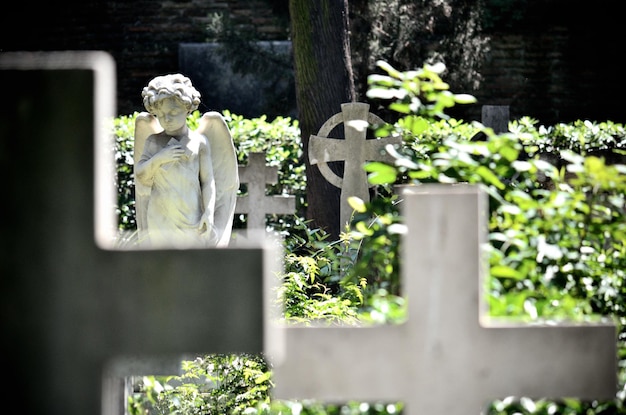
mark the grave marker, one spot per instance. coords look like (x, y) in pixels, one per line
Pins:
(355, 150)
(496, 117)
(256, 204)
(448, 358)
(72, 305)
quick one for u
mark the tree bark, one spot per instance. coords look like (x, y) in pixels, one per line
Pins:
(360, 30)
(324, 81)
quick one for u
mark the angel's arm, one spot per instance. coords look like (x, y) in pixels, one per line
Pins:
(153, 157)
(147, 164)
(146, 125)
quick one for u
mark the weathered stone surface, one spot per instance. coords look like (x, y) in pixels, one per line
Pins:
(354, 151)
(256, 205)
(186, 180)
(496, 117)
(448, 358)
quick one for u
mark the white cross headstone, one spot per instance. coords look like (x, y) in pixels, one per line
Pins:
(256, 204)
(355, 150)
(71, 305)
(448, 358)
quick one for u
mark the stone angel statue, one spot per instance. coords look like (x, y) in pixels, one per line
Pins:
(186, 180)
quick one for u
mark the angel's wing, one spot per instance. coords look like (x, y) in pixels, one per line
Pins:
(145, 125)
(213, 126)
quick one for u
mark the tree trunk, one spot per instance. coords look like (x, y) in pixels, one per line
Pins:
(323, 73)
(360, 29)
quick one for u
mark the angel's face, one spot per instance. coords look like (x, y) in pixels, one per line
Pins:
(172, 115)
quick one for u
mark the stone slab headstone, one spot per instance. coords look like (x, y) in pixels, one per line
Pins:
(256, 204)
(448, 357)
(71, 304)
(251, 83)
(355, 150)
(496, 117)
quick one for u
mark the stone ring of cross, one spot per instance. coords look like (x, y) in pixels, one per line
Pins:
(353, 116)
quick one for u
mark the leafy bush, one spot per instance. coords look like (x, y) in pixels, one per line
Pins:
(214, 384)
(124, 131)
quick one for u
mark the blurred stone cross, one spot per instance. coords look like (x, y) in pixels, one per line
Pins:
(448, 357)
(355, 150)
(74, 305)
(256, 204)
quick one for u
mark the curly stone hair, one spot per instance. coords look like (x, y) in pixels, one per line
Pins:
(167, 86)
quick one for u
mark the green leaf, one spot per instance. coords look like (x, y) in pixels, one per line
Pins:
(400, 107)
(510, 209)
(438, 67)
(417, 125)
(420, 174)
(509, 153)
(502, 271)
(381, 80)
(382, 93)
(389, 69)
(489, 177)
(464, 99)
(521, 166)
(362, 228)
(262, 378)
(357, 204)
(547, 250)
(384, 130)
(380, 173)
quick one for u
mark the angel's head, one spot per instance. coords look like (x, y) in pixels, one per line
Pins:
(170, 86)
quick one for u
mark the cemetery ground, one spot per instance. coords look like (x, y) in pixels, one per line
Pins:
(555, 245)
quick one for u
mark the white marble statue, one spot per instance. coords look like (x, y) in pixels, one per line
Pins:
(186, 180)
